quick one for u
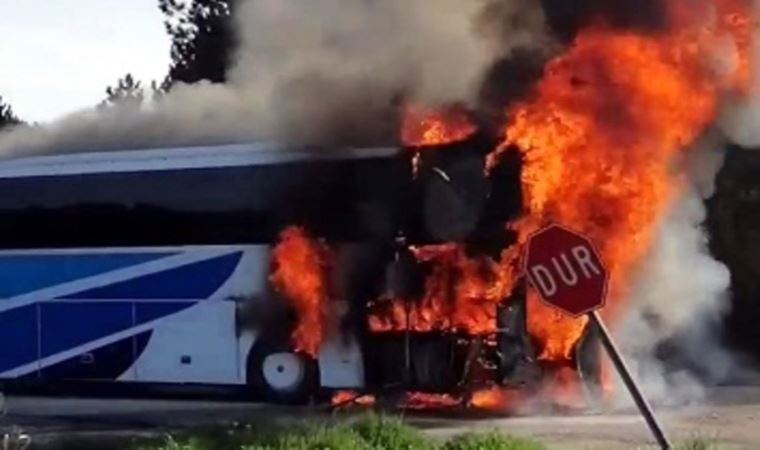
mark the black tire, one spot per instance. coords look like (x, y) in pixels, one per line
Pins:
(277, 374)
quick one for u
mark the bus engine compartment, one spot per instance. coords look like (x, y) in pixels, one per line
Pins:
(435, 299)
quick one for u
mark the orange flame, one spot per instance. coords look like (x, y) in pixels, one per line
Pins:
(461, 294)
(424, 400)
(345, 397)
(600, 133)
(426, 127)
(497, 399)
(299, 274)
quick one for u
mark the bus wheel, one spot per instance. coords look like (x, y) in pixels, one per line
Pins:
(278, 374)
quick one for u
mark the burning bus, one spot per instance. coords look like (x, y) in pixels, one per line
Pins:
(289, 271)
(286, 271)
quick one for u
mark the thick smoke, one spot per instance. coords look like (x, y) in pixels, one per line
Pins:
(322, 72)
(567, 17)
(335, 70)
(672, 329)
(197, 114)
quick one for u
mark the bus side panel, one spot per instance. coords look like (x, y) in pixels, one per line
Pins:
(88, 314)
(202, 343)
(341, 365)
(197, 345)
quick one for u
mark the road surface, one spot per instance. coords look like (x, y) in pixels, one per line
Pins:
(731, 417)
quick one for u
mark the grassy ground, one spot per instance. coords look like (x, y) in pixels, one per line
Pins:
(368, 433)
(699, 444)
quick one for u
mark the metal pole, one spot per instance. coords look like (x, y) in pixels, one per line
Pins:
(630, 383)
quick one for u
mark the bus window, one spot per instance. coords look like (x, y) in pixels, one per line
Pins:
(340, 200)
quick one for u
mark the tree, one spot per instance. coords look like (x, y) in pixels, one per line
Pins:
(129, 91)
(126, 90)
(7, 117)
(202, 39)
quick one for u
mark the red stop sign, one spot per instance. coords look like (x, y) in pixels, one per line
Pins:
(565, 269)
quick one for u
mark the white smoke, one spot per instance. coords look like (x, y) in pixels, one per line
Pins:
(672, 331)
(679, 300)
(317, 72)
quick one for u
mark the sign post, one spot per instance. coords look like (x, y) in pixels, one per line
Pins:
(566, 271)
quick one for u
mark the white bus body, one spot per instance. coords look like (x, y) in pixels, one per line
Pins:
(73, 308)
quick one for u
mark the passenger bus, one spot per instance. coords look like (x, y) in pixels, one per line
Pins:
(151, 267)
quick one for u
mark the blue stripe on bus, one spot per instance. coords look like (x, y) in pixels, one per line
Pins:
(68, 325)
(193, 281)
(108, 362)
(19, 337)
(21, 274)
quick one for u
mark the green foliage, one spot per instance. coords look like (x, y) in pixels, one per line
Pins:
(129, 91)
(386, 433)
(126, 91)
(490, 441)
(317, 438)
(371, 432)
(213, 440)
(698, 443)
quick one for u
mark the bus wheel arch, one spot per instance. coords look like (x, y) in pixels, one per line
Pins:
(276, 373)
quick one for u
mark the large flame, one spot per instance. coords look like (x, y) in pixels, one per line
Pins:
(426, 400)
(425, 127)
(348, 397)
(602, 131)
(497, 399)
(461, 294)
(299, 273)
(599, 136)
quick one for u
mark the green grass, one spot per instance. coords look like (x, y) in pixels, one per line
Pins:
(698, 443)
(371, 432)
(490, 441)
(387, 433)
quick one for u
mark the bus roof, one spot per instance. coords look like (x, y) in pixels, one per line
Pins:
(196, 157)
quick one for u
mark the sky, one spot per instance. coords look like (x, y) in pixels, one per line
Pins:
(58, 56)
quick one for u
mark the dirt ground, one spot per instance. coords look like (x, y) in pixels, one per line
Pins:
(731, 417)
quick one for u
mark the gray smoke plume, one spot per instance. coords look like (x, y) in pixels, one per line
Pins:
(197, 114)
(676, 308)
(318, 72)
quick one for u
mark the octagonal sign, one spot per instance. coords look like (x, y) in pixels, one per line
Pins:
(565, 269)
